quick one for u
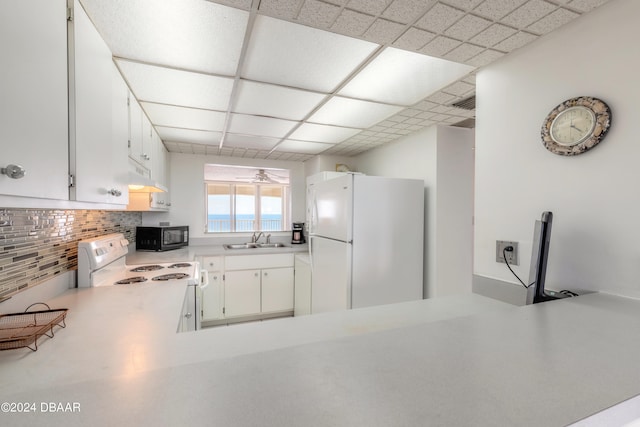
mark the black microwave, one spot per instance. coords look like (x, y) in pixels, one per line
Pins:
(162, 238)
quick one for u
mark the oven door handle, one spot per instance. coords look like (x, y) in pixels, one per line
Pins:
(204, 279)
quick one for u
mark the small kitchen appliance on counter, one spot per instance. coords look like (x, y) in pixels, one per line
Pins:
(101, 262)
(297, 237)
(164, 238)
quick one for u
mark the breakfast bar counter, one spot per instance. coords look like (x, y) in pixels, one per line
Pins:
(463, 360)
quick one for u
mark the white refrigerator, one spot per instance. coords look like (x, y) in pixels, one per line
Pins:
(366, 236)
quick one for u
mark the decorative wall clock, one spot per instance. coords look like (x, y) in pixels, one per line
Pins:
(576, 125)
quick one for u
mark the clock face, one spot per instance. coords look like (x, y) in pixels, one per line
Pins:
(576, 126)
(573, 125)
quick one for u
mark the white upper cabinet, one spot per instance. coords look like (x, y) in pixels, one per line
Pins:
(33, 105)
(98, 159)
(140, 135)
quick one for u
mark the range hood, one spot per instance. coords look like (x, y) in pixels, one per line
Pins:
(143, 184)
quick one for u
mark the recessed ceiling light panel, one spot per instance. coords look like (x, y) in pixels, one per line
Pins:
(168, 86)
(401, 77)
(190, 34)
(303, 57)
(323, 133)
(256, 125)
(181, 117)
(349, 112)
(276, 101)
(188, 135)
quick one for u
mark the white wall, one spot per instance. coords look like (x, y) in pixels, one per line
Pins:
(188, 193)
(323, 162)
(443, 158)
(594, 196)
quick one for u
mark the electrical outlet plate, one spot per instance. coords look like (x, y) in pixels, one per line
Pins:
(512, 257)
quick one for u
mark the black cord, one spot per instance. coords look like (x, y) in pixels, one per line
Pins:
(504, 256)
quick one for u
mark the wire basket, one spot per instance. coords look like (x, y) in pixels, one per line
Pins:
(19, 330)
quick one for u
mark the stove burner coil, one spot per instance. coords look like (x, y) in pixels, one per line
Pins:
(172, 276)
(180, 265)
(147, 268)
(130, 280)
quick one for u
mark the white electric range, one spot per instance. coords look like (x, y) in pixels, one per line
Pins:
(101, 262)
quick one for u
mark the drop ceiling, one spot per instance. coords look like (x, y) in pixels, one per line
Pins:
(290, 79)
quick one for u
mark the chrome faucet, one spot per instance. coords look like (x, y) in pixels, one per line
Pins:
(268, 238)
(254, 238)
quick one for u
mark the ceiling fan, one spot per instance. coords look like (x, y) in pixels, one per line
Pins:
(265, 177)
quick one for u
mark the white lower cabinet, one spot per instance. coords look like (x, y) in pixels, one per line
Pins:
(241, 293)
(254, 286)
(277, 290)
(213, 294)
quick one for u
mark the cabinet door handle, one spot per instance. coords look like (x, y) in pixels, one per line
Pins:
(13, 171)
(255, 274)
(265, 273)
(188, 315)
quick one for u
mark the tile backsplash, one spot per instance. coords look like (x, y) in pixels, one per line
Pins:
(37, 244)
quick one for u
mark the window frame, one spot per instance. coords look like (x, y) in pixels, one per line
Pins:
(285, 205)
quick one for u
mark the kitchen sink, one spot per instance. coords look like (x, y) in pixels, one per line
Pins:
(272, 245)
(254, 245)
(241, 246)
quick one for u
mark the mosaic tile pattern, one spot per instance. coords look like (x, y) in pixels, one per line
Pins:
(37, 244)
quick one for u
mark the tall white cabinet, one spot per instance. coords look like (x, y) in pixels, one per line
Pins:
(97, 162)
(33, 105)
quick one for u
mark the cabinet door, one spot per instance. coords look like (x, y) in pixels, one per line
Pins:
(277, 289)
(242, 293)
(96, 162)
(135, 130)
(302, 288)
(213, 297)
(33, 110)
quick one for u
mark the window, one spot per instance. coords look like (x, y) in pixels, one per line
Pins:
(234, 205)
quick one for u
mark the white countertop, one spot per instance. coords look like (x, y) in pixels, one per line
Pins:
(465, 360)
(190, 253)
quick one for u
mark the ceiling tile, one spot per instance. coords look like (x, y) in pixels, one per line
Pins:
(318, 14)
(406, 11)
(257, 125)
(496, 9)
(586, 5)
(371, 7)
(529, 13)
(168, 86)
(463, 4)
(322, 133)
(302, 147)
(285, 9)
(486, 57)
(352, 113)
(493, 35)
(413, 39)
(463, 52)
(187, 135)
(247, 141)
(352, 23)
(467, 27)
(181, 117)
(189, 34)
(552, 21)
(440, 46)
(439, 18)
(240, 4)
(441, 98)
(403, 78)
(516, 41)
(383, 31)
(298, 56)
(459, 88)
(275, 101)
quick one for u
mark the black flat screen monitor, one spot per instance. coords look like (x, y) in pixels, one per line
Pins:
(539, 256)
